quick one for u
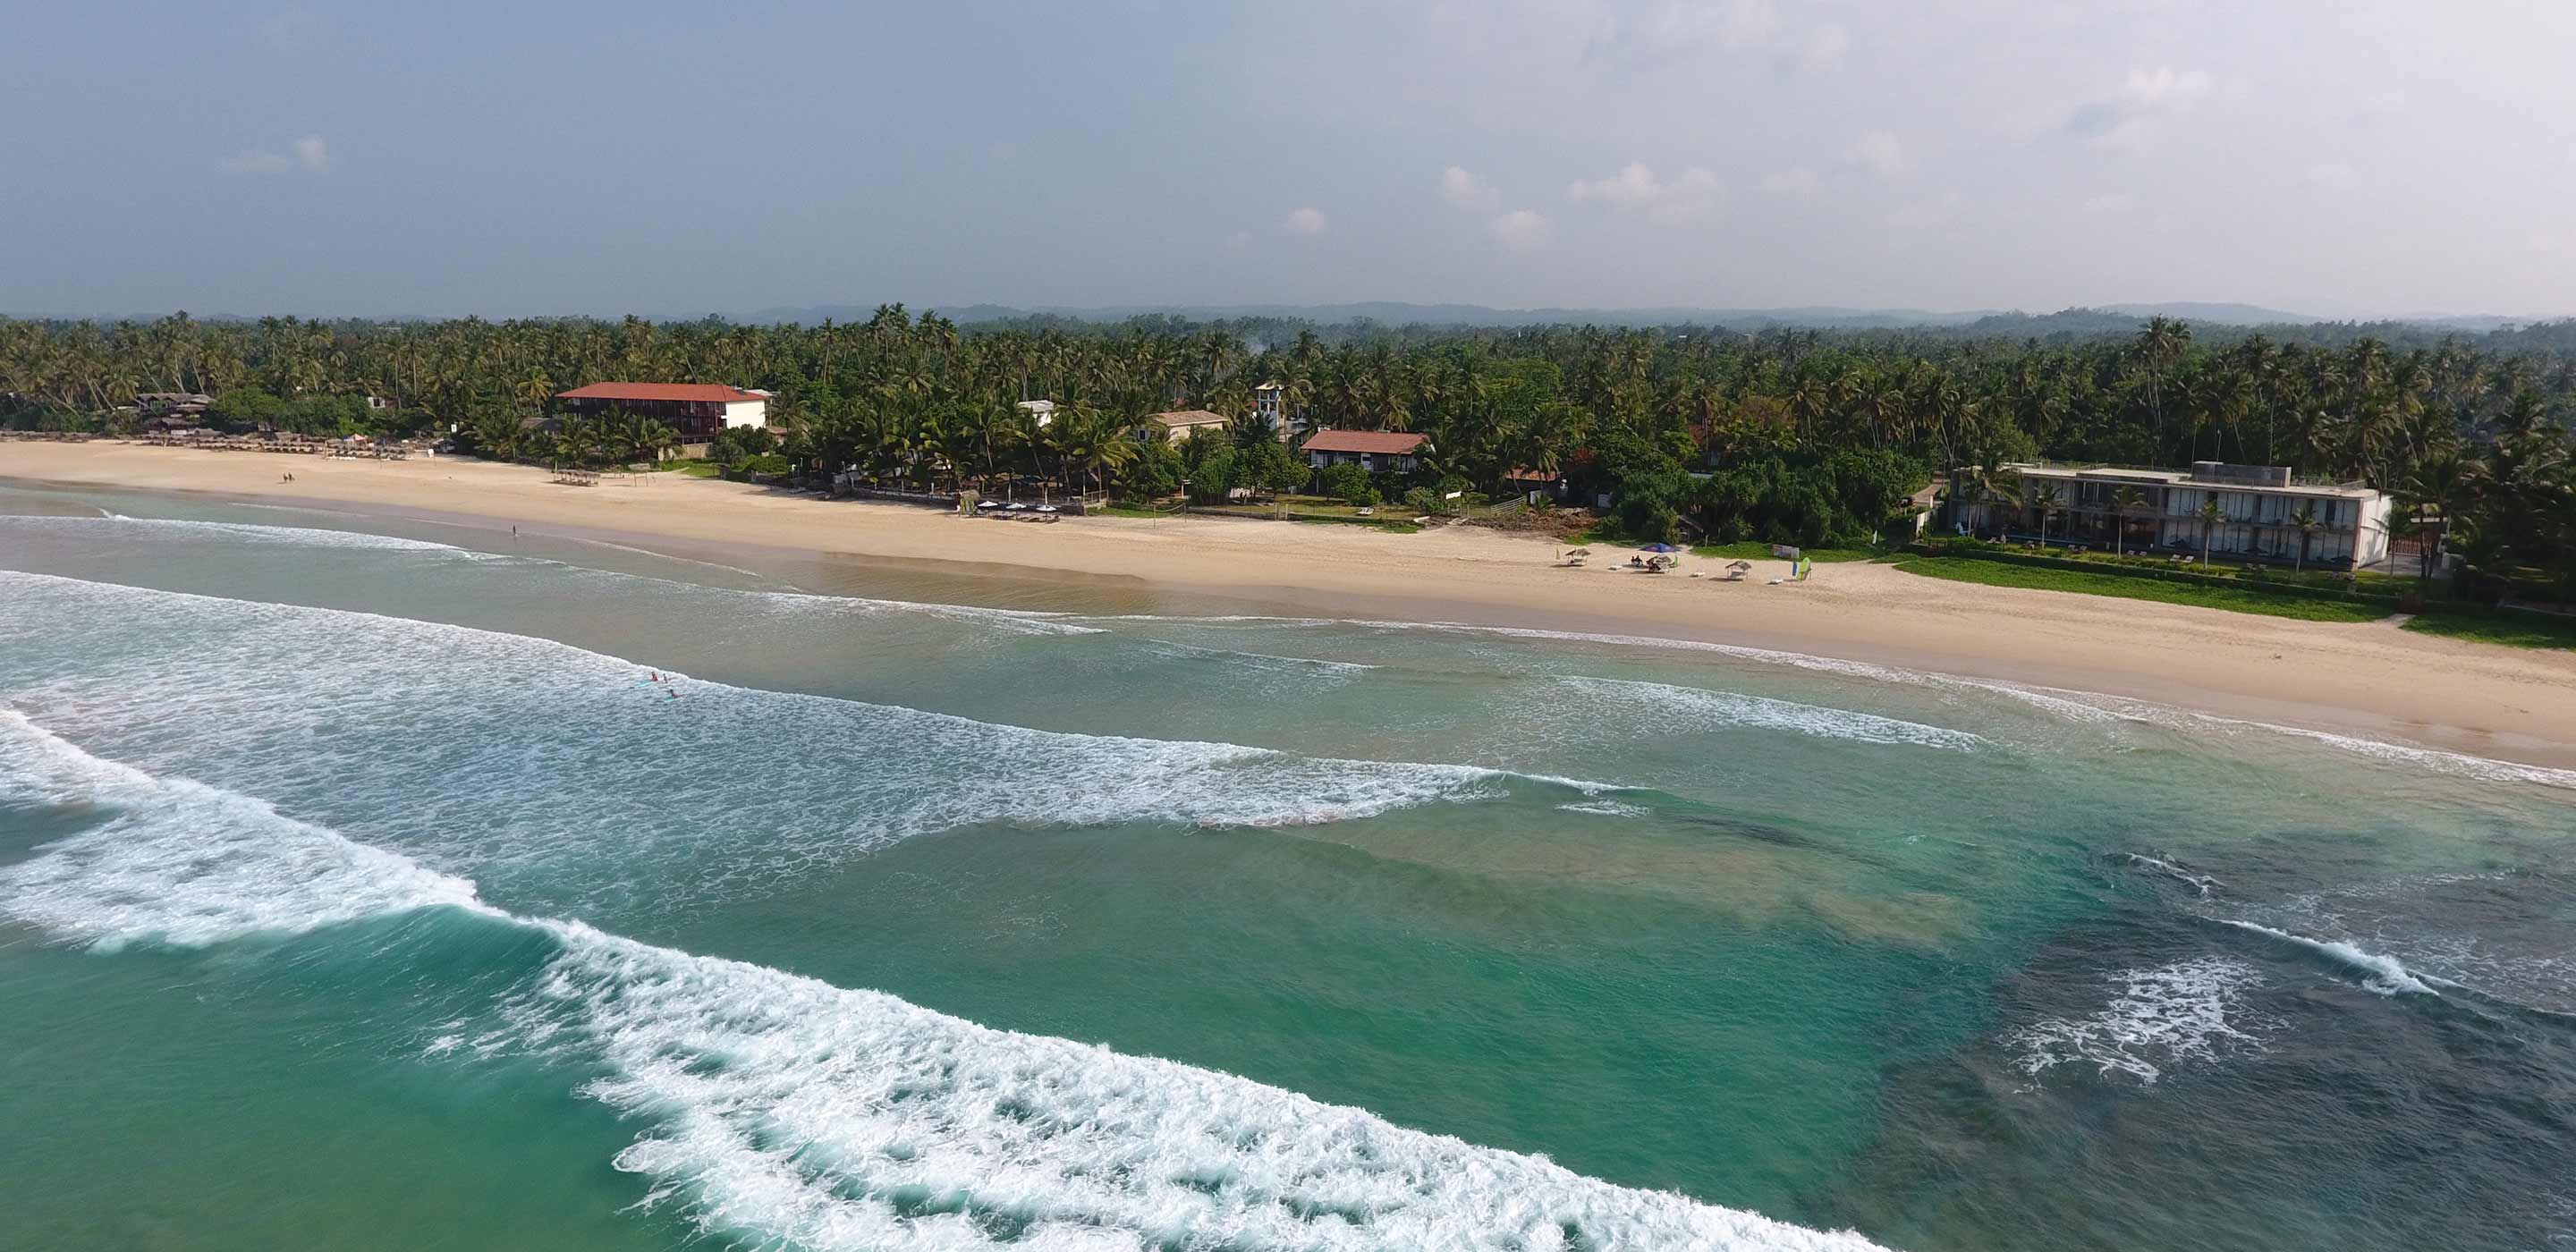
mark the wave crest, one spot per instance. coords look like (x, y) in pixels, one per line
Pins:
(796, 1113)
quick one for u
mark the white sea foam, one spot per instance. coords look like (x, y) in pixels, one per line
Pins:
(1263, 660)
(838, 777)
(182, 863)
(2200, 882)
(791, 1113)
(2381, 975)
(1604, 808)
(2185, 1011)
(237, 532)
(1672, 708)
(801, 1114)
(2080, 706)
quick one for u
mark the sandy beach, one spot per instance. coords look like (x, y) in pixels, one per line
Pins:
(2370, 680)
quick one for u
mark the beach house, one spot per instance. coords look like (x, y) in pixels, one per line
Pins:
(1179, 424)
(696, 410)
(1377, 451)
(2259, 515)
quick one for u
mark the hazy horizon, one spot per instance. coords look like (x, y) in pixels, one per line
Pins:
(2352, 161)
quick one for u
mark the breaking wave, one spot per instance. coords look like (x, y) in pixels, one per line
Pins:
(2078, 706)
(793, 1113)
(2198, 882)
(241, 532)
(2185, 1011)
(181, 863)
(607, 751)
(1673, 708)
(2381, 975)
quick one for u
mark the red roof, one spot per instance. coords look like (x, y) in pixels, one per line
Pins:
(702, 393)
(1378, 442)
(1534, 476)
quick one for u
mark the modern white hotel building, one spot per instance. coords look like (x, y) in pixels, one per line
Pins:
(2257, 506)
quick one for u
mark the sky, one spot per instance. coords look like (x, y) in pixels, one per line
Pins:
(2339, 158)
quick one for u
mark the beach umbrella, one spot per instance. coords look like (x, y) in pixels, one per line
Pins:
(1578, 552)
(1657, 547)
(988, 504)
(1047, 508)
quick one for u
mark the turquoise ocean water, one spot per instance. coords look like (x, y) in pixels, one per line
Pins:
(360, 887)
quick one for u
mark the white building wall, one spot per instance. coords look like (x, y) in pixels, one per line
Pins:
(746, 413)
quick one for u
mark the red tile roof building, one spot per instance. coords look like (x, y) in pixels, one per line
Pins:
(1371, 450)
(696, 410)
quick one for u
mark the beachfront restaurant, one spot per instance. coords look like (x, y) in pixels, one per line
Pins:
(2150, 511)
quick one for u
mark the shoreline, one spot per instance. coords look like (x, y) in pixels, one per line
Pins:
(2368, 680)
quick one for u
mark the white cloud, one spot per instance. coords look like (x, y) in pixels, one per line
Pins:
(1678, 28)
(1742, 22)
(2166, 85)
(287, 31)
(1303, 222)
(1522, 229)
(1797, 181)
(1636, 188)
(2126, 119)
(1879, 150)
(2333, 175)
(1930, 212)
(2111, 202)
(1238, 241)
(1825, 47)
(1467, 191)
(310, 153)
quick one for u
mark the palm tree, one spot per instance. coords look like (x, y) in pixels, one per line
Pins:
(2308, 523)
(2044, 499)
(2210, 516)
(2439, 489)
(2125, 504)
(2159, 346)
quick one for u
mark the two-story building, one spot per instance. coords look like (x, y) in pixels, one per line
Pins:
(2259, 507)
(1377, 451)
(696, 410)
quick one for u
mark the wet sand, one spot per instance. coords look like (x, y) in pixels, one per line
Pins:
(2367, 679)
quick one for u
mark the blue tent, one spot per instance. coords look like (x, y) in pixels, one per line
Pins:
(1657, 547)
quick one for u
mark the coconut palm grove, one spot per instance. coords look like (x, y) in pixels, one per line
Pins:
(1779, 435)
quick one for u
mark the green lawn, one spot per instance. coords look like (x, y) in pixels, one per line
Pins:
(2509, 632)
(2234, 599)
(1750, 550)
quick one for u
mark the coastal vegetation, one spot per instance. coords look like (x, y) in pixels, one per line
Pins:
(2245, 599)
(1698, 434)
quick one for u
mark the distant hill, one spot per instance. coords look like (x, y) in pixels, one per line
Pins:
(2094, 319)
(2230, 314)
(1395, 313)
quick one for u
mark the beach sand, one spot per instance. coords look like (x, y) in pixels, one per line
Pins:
(2370, 680)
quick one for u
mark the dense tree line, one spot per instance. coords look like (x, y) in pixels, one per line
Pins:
(1795, 435)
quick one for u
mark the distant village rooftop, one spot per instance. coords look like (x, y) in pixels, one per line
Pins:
(684, 393)
(1179, 418)
(1367, 442)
